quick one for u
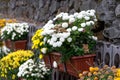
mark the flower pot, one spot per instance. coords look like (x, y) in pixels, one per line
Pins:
(47, 61)
(79, 64)
(54, 56)
(74, 65)
(16, 45)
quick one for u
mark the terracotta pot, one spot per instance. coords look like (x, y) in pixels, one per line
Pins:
(54, 56)
(16, 45)
(74, 65)
(47, 61)
(79, 64)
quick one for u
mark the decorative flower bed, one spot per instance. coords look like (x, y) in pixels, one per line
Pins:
(67, 35)
(9, 64)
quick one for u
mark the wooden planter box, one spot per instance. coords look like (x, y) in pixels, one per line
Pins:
(73, 66)
(16, 45)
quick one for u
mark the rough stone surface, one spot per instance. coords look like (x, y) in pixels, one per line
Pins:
(42, 10)
(117, 11)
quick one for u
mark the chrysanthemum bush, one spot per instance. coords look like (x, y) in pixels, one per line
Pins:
(15, 31)
(31, 70)
(105, 73)
(66, 34)
(9, 64)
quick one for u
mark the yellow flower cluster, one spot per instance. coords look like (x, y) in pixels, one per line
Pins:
(37, 39)
(117, 75)
(95, 73)
(38, 43)
(13, 60)
(4, 21)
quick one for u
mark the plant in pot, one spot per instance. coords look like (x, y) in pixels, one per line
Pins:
(32, 70)
(15, 34)
(104, 73)
(3, 49)
(9, 65)
(70, 37)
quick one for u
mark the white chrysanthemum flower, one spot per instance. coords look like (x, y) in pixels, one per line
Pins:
(65, 14)
(71, 20)
(5, 49)
(59, 43)
(83, 24)
(95, 38)
(92, 22)
(65, 17)
(92, 10)
(65, 35)
(65, 25)
(59, 16)
(62, 39)
(80, 16)
(50, 22)
(48, 41)
(83, 12)
(71, 16)
(87, 18)
(80, 29)
(54, 45)
(91, 14)
(44, 50)
(55, 64)
(95, 19)
(54, 39)
(88, 23)
(76, 14)
(69, 30)
(74, 28)
(51, 42)
(69, 39)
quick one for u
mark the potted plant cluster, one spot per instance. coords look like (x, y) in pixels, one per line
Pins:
(66, 38)
(9, 65)
(3, 49)
(105, 73)
(31, 70)
(15, 34)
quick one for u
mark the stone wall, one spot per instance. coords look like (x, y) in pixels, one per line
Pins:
(108, 11)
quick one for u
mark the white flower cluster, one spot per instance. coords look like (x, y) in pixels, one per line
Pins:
(15, 30)
(4, 49)
(31, 69)
(61, 32)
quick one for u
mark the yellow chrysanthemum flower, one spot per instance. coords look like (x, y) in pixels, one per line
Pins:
(41, 56)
